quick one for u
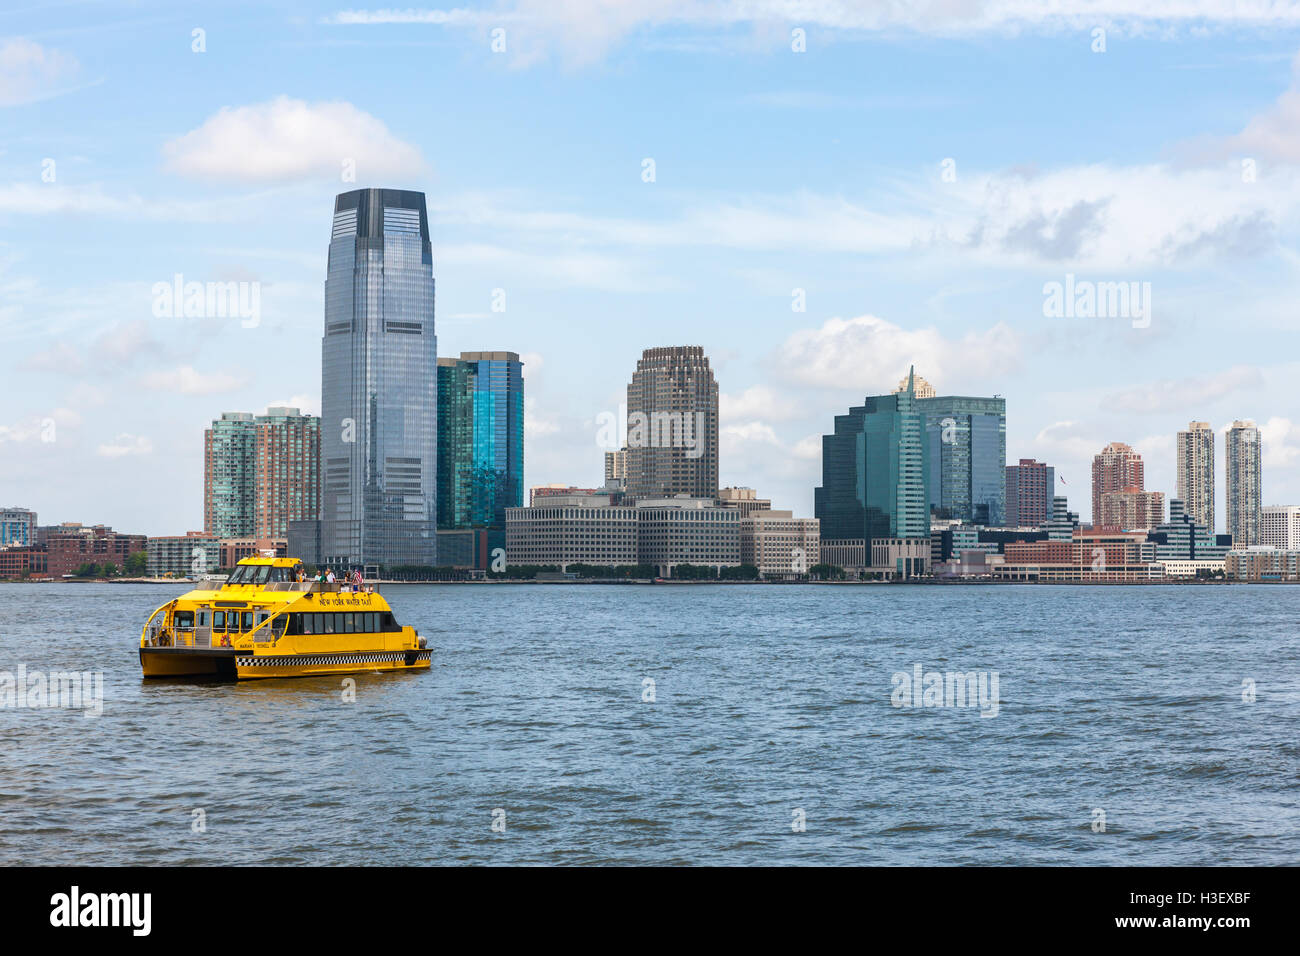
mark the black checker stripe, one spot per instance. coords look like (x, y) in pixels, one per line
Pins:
(317, 660)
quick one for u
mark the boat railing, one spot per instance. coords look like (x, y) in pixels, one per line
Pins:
(160, 635)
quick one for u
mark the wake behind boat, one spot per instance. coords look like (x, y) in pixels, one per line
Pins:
(265, 622)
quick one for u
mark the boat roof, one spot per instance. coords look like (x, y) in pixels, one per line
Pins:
(273, 562)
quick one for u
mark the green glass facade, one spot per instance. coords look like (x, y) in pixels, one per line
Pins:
(874, 472)
(480, 439)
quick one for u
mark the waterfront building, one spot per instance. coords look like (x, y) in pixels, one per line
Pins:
(1183, 539)
(1196, 472)
(23, 562)
(1102, 557)
(71, 545)
(1279, 527)
(480, 439)
(1242, 453)
(189, 555)
(17, 527)
(1030, 487)
(1116, 468)
(1131, 510)
(581, 530)
(949, 540)
(1262, 563)
(744, 500)
(672, 425)
(874, 472)
(966, 463)
(379, 384)
(538, 494)
(686, 530)
(779, 544)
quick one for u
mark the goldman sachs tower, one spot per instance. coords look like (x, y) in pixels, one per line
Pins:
(379, 385)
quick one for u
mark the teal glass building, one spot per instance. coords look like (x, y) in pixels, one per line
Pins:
(480, 439)
(966, 441)
(874, 472)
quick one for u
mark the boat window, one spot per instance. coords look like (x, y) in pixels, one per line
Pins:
(203, 619)
(247, 621)
(304, 622)
(218, 620)
(263, 575)
(349, 625)
(329, 623)
(184, 619)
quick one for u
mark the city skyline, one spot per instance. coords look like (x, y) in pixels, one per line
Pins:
(815, 256)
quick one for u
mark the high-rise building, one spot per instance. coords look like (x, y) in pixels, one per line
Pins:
(17, 528)
(480, 439)
(1241, 459)
(1131, 510)
(1117, 468)
(379, 384)
(1031, 485)
(967, 440)
(1196, 472)
(920, 387)
(616, 467)
(672, 425)
(1279, 527)
(260, 471)
(874, 472)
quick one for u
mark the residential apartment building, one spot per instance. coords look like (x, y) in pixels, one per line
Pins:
(1195, 451)
(1242, 458)
(1279, 527)
(1030, 487)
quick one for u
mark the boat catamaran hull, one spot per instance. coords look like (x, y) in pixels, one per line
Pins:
(263, 624)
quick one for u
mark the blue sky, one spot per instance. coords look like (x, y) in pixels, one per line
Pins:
(775, 171)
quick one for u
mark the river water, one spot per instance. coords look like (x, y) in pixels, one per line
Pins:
(707, 724)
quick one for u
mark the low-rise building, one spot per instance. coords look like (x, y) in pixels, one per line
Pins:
(72, 545)
(24, 562)
(779, 544)
(1262, 563)
(182, 556)
(234, 550)
(687, 530)
(744, 500)
(584, 529)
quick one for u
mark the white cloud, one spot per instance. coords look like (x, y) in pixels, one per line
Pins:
(31, 72)
(187, 381)
(869, 355)
(125, 444)
(1172, 395)
(584, 31)
(1281, 442)
(757, 402)
(286, 139)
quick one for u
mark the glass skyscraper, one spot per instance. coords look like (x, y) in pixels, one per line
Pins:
(379, 392)
(480, 439)
(874, 469)
(967, 444)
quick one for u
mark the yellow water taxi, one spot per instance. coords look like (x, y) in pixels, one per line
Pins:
(266, 622)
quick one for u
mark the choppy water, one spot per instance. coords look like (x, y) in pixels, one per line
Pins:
(767, 700)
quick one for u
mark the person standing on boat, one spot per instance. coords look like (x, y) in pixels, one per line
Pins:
(329, 576)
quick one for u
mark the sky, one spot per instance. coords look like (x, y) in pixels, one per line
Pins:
(819, 193)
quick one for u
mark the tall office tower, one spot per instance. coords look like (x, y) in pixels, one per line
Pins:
(1117, 468)
(1031, 485)
(672, 425)
(615, 466)
(874, 469)
(967, 457)
(260, 472)
(1280, 527)
(1196, 472)
(480, 439)
(379, 384)
(1242, 460)
(1063, 522)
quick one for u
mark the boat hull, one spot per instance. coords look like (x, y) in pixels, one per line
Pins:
(229, 664)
